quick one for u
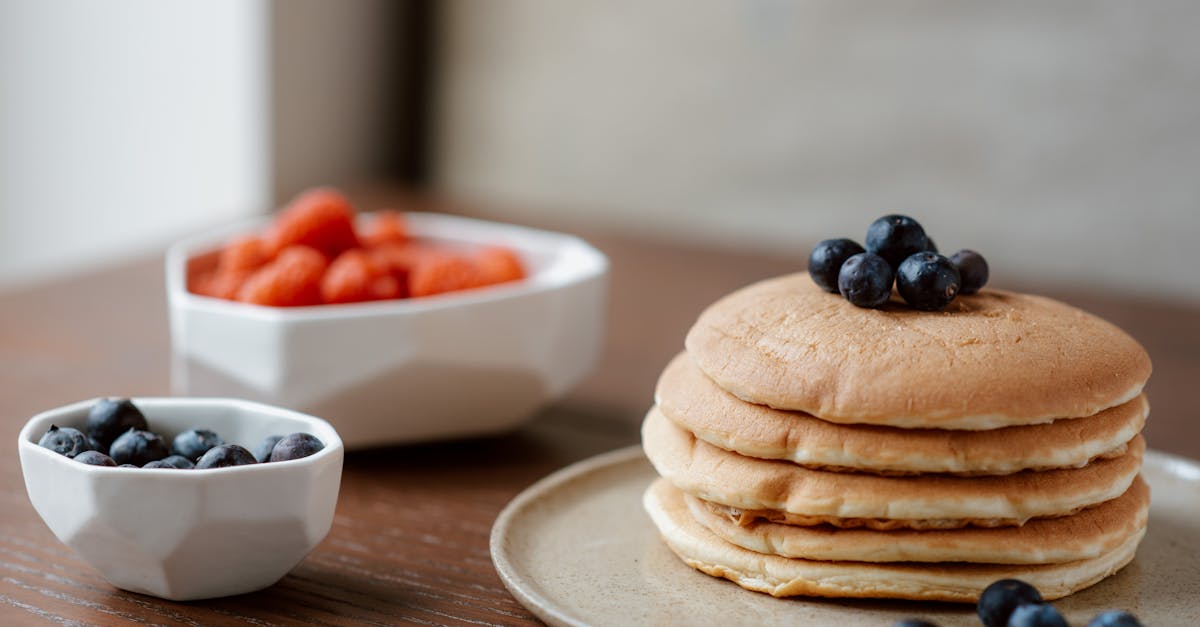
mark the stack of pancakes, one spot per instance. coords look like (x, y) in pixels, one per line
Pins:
(811, 447)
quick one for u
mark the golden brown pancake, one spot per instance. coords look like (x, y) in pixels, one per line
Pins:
(993, 359)
(690, 399)
(724, 477)
(781, 576)
(1085, 535)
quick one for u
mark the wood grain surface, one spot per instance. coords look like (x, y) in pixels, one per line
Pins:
(409, 542)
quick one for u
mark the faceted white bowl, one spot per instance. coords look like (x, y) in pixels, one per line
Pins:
(453, 365)
(188, 534)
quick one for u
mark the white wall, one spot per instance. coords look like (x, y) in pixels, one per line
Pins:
(125, 124)
(1060, 139)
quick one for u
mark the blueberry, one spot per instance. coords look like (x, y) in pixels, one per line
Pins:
(896, 238)
(95, 445)
(973, 269)
(928, 281)
(225, 455)
(1036, 615)
(95, 458)
(195, 442)
(65, 441)
(110, 417)
(826, 260)
(865, 280)
(177, 461)
(295, 446)
(138, 447)
(263, 451)
(999, 600)
(914, 622)
(1114, 618)
(173, 462)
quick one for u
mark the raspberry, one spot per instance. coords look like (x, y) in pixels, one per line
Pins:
(399, 259)
(292, 280)
(387, 227)
(499, 265)
(201, 282)
(354, 277)
(235, 263)
(319, 218)
(242, 254)
(226, 284)
(436, 274)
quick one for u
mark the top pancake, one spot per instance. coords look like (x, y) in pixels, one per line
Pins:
(690, 399)
(990, 360)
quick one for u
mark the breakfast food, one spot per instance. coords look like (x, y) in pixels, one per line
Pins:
(193, 443)
(139, 447)
(811, 446)
(295, 446)
(109, 418)
(65, 441)
(225, 455)
(316, 253)
(898, 253)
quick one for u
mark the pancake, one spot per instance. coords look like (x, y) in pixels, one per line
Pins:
(1088, 534)
(691, 400)
(780, 576)
(992, 359)
(923, 501)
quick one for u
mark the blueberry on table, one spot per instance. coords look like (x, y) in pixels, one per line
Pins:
(865, 280)
(928, 281)
(999, 599)
(826, 259)
(195, 442)
(177, 461)
(972, 268)
(110, 417)
(138, 447)
(95, 458)
(263, 451)
(65, 441)
(896, 238)
(295, 446)
(1114, 618)
(225, 455)
(1036, 615)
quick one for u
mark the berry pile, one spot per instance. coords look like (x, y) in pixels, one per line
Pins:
(898, 252)
(313, 254)
(118, 435)
(1014, 603)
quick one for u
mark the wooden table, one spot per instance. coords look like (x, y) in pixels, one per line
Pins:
(410, 539)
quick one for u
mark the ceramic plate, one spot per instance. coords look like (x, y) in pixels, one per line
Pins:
(576, 548)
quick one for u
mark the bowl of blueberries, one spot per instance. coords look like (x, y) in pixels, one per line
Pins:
(183, 498)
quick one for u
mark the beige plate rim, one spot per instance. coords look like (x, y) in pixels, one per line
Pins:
(523, 585)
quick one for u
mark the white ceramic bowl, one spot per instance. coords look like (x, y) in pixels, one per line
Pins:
(188, 534)
(453, 365)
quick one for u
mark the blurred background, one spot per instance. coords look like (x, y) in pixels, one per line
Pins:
(1061, 139)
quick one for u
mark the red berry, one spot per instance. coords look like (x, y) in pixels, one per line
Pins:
(354, 277)
(319, 218)
(292, 280)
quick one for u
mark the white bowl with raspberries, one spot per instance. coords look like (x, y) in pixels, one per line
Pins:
(461, 364)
